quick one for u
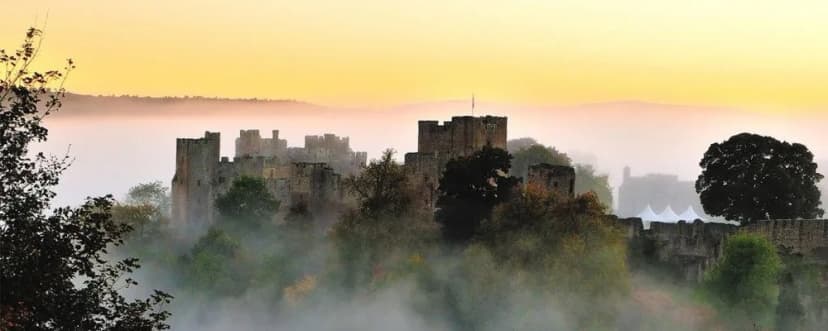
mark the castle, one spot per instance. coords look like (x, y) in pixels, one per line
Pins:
(437, 144)
(311, 175)
(307, 175)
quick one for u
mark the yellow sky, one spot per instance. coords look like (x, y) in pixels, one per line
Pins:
(764, 54)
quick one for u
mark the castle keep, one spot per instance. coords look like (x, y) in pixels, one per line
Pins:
(437, 144)
(307, 175)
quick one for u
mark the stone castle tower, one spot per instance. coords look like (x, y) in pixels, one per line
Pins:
(196, 164)
(555, 178)
(308, 175)
(437, 144)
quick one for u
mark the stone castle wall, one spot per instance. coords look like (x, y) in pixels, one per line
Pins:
(805, 237)
(693, 247)
(251, 143)
(555, 178)
(311, 176)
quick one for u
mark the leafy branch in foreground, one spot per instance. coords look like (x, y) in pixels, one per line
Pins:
(53, 266)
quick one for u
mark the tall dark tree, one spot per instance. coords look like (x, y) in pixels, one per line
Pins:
(54, 274)
(247, 203)
(751, 177)
(470, 188)
(382, 187)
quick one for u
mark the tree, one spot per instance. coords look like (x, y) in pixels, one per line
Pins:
(141, 217)
(385, 229)
(470, 188)
(146, 208)
(247, 202)
(381, 187)
(514, 145)
(212, 264)
(53, 267)
(566, 247)
(586, 180)
(751, 177)
(744, 280)
(527, 152)
(534, 154)
(153, 193)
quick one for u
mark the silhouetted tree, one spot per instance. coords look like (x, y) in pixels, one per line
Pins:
(54, 274)
(470, 188)
(751, 177)
(247, 203)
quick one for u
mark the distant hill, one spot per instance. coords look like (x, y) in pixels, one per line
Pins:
(82, 105)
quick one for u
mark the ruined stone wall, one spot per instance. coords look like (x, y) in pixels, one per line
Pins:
(250, 143)
(328, 142)
(196, 163)
(331, 149)
(555, 178)
(805, 237)
(314, 184)
(202, 175)
(694, 247)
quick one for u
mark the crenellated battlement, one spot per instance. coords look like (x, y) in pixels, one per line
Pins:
(695, 246)
(308, 175)
(438, 143)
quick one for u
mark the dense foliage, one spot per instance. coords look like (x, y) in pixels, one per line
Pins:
(385, 229)
(527, 152)
(247, 203)
(751, 177)
(745, 280)
(54, 270)
(382, 187)
(566, 246)
(469, 190)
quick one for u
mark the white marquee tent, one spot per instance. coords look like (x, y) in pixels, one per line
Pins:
(690, 215)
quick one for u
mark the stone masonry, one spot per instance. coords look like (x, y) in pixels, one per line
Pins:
(694, 247)
(438, 143)
(555, 178)
(307, 175)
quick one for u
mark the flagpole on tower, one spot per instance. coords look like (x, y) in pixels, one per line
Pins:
(472, 104)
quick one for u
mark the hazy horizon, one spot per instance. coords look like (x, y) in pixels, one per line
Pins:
(767, 56)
